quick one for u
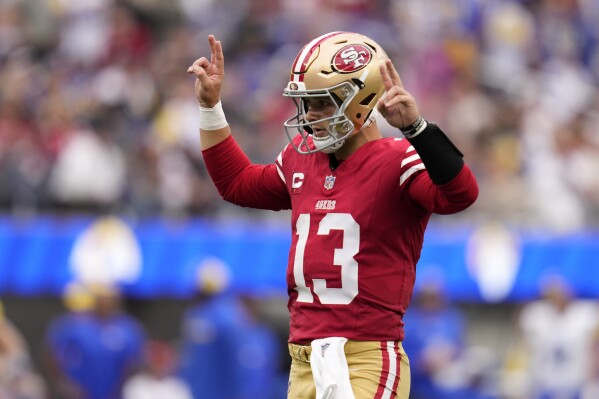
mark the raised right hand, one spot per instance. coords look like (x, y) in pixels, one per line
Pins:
(209, 74)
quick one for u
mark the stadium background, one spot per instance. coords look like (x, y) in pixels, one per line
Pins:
(98, 140)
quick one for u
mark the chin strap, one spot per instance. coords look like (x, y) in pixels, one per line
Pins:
(371, 118)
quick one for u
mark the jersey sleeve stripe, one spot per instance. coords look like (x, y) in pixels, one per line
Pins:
(409, 159)
(280, 172)
(405, 175)
(279, 164)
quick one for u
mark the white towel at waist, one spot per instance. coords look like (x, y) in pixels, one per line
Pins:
(329, 369)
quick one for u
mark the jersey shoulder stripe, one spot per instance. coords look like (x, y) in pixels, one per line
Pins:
(279, 163)
(410, 164)
(410, 160)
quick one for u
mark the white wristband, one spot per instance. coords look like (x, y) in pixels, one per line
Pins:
(212, 118)
(420, 130)
(415, 128)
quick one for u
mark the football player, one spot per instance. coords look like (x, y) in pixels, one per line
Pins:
(360, 204)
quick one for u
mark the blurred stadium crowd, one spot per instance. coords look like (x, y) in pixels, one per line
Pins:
(98, 114)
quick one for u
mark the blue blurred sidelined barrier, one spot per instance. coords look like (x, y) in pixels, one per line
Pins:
(40, 256)
(157, 258)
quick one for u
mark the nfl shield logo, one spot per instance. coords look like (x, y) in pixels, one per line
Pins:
(324, 348)
(329, 182)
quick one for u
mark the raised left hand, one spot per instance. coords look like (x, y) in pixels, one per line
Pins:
(397, 106)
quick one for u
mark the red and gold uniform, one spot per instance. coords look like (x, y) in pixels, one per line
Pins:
(357, 234)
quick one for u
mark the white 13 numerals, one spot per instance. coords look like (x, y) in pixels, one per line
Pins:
(343, 257)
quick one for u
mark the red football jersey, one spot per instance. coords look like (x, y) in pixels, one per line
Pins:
(357, 230)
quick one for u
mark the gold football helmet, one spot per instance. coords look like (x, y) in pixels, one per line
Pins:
(343, 67)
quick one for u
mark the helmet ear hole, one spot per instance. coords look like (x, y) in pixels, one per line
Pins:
(358, 115)
(365, 102)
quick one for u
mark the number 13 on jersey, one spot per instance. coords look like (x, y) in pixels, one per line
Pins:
(343, 257)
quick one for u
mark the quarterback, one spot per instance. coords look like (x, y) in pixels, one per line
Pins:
(359, 202)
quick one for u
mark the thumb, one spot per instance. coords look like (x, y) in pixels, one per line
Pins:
(200, 73)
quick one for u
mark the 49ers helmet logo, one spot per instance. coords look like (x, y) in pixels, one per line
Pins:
(351, 58)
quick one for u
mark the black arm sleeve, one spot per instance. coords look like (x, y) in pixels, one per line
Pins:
(442, 159)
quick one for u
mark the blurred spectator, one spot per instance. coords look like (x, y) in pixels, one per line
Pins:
(227, 352)
(96, 112)
(441, 364)
(558, 332)
(61, 367)
(95, 346)
(88, 154)
(157, 379)
(17, 378)
(591, 387)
